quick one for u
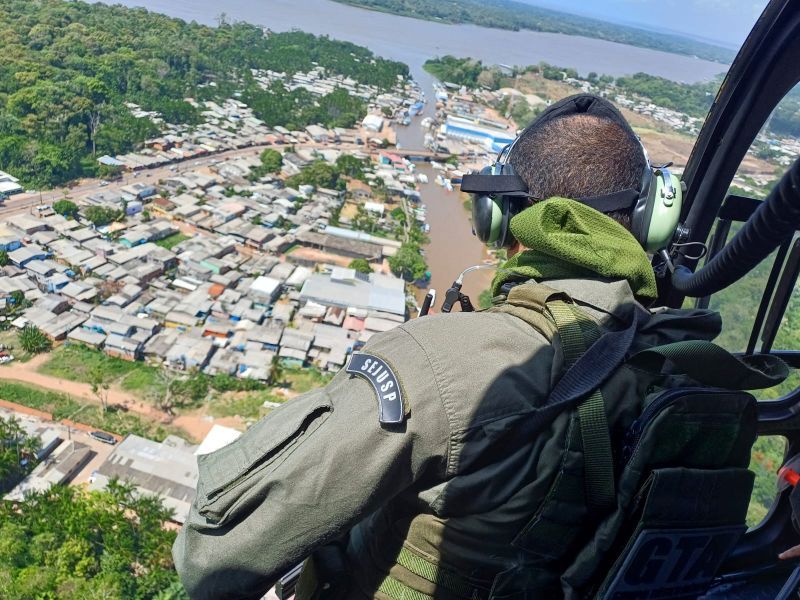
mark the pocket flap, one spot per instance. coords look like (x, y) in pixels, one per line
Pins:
(259, 448)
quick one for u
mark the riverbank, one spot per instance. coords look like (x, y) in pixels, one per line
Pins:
(413, 41)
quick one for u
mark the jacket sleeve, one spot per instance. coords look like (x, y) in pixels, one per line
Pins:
(308, 472)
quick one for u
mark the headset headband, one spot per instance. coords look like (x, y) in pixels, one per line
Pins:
(512, 185)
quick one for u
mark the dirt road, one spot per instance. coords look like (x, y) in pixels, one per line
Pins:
(196, 424)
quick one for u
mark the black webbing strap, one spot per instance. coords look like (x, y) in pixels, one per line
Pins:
(622, 200)
(477, 183)
(587, 374)
(709, 364)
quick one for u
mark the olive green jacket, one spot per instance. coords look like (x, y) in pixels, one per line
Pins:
(323, 464)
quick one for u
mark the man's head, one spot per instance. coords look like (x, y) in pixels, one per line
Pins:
(577, 156)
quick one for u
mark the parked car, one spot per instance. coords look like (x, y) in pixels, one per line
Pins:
(102, 436)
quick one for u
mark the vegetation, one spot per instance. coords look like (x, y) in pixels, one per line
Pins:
(108, 544)
(304, 380)
(508, 14)
(76, 362)
(408, 262)
(786, 118)
(17, 450)
(66, 208)
(69, 68)
(247, 405)
(61, 406)
(4, 260)
(33, 341)
(693, 99)
(461, 71)
(271, 162)
(361, 265)
(102, 215)
(173, 240)
(321, 174)
(297, 108)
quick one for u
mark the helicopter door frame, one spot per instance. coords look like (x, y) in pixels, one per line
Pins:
(765, 70)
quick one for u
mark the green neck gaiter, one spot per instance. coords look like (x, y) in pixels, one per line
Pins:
(567, 239)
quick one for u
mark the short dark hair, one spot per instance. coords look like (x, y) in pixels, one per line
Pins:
(579, 155)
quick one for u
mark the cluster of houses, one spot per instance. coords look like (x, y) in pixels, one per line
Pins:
(231, 124)
(211, 271)
(68, 456)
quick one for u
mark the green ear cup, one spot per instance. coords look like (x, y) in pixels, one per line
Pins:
(497, 222)
(666, 213)
(487, 219)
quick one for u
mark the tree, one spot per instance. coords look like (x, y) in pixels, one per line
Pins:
(108, 544)
(271, 160)
(66, 208)
(4, 259)
(98, 380)
(17, 298)
(408, 262)
(350, 166)
(33, 341)
(102, 215)
(276, 373)
(361, 265)
(17, 451)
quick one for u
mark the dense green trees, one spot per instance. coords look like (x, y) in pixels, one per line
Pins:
(66, 208)
(102, 215)
(408, 262)
(297, 108)
(361, 265)
(461, 71)
(271, 162)
(70, 67)
(16, 454)
(67, 543)
(321, 174)
(693, 99)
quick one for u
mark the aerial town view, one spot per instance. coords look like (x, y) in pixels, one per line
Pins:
(202, 220)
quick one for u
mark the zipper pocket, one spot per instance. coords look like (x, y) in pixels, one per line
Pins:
(635, 431)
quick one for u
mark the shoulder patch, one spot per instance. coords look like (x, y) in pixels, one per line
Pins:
(384, 381)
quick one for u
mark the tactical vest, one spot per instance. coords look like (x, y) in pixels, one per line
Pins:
(656, 506)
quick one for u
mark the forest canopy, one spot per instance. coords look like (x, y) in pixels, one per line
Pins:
(69, 68)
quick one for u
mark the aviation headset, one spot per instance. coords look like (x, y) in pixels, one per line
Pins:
(499, 194)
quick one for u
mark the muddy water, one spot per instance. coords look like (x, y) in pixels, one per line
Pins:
(453, 248)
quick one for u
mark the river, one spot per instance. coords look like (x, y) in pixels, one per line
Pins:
(413, 41)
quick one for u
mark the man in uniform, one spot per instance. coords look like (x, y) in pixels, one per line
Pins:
(404, 460)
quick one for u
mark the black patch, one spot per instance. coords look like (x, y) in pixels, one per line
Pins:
(672, 563)
(383, 380)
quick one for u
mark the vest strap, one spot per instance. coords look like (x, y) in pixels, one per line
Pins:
(400, 591)
(712, 365)
(450, 581)
(578, 332)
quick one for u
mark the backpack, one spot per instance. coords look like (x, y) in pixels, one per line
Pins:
(649, 503)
